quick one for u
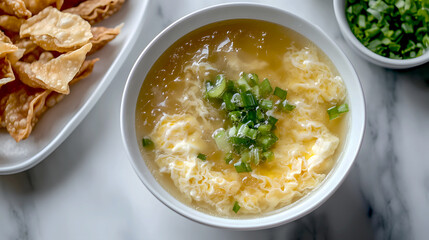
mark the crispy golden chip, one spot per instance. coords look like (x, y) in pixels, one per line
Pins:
(26, 44)
(30, 51)
(6, 73)
(56, 31)
(94, 11)
(24, 73)
(57, 73)
(46, 57)
(35, 6)
(102, 36)
(22, 110)
(52, 74)
(9, 49)
(15, 7)
(11, 23)
(6, 46)
(4, 38)
(84, 70)
(33, 55)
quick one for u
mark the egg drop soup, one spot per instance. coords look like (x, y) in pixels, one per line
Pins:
(174, 112)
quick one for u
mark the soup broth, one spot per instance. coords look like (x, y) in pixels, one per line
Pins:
(174, 113)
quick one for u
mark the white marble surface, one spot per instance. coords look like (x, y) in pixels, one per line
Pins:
(87, 189)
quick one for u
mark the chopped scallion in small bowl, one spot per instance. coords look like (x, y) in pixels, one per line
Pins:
(389, 33)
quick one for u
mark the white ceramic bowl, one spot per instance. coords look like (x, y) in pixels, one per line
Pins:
(340, 14)
(356, 116)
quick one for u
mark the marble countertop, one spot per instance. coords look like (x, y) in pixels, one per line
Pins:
(87, 189)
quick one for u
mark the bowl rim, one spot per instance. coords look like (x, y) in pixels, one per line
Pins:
(129, 137)
(339, 10)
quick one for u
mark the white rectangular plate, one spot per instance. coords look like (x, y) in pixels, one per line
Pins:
(58, 122)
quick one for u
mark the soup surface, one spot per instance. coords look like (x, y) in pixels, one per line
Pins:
(173, 112)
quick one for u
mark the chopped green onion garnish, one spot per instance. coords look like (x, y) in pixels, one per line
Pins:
(272, 120)
(221, 140)
(219, 88)
(254, 156)
(361, 21)
(251, 78)
(243, 84)
(266, 88)
(334, 112)
(280, 93)
(251, 116)
(202, 156)
(241, 167)
(227, 99)
(287, 106)
(265, 128)
(236, 207)
(234, 116)
(147, 142)
(248, 99)
(228, 158)
(343, 108)
(249, 135)
(266, 104)
(390, 28)
(243, 141)
(268, 155)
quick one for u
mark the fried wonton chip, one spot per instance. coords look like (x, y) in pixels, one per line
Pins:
(94, 11)
(52, 74)
(6, 46)
(11, 23)
(102, 36)
(26, 44)
(56, 31)
(9, 49)
(31, 52)
(84, 70)
(35, 6)
(15, 7)
(6, 72)
(24, 73)
(22, 108)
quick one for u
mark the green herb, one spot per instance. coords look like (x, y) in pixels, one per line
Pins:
(280, 93)
(286, 106)
(249, 99)
(266, 88)
(396, 29)
(202, 156)
(221, 140)
(228, 158)
(266, 104)
(272, 120)
(236, 207)
(242, 167)
(218, 89)
(336, 111)
(248, 135)
(147, 142)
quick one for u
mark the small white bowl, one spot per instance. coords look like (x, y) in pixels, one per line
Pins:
(340, 14)
(355, 118)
